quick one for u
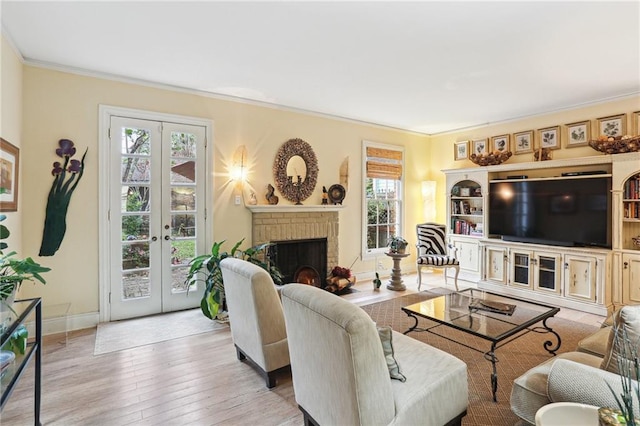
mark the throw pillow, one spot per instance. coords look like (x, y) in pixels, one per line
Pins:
(387, 347)
(626, 318)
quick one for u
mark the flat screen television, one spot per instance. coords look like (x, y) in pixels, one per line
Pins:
(563, 212)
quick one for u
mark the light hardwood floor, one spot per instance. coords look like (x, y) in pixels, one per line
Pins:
(195, 380)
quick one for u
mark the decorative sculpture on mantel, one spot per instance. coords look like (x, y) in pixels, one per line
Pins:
(542, 154)
(271, 197)
(55, 223)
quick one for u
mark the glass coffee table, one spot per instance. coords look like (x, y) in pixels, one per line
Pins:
(498, 319)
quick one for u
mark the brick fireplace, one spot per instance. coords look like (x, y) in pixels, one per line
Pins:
(288, 223)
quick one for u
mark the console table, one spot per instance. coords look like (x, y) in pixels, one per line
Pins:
(23, 309)
(395, 283)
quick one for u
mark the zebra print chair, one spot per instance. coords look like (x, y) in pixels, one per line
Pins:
(432, 251)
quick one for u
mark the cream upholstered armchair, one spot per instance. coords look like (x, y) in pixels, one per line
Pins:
(256, 317)
(583, 376)
(432, 251)
(342, 374)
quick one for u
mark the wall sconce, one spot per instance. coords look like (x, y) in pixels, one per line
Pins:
(239, 166)
(429, 200)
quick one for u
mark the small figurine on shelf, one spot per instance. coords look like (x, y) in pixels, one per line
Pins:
(325, 196)
(252, 199)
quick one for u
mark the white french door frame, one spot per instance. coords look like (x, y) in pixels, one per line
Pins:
(105, 113)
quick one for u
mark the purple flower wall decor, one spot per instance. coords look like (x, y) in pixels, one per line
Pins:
(66, 178)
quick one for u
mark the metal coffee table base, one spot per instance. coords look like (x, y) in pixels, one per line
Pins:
(495, 344)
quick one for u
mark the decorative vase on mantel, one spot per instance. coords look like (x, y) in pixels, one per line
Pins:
(611, 417)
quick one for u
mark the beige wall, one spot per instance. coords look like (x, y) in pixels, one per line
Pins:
(11, 128)
(62, 105)
(441, 147)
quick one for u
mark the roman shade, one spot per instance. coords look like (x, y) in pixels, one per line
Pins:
(384, 163)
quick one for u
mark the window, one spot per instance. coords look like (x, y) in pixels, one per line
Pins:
(382, 215)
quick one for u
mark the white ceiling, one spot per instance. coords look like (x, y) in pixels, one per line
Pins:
(428, 67)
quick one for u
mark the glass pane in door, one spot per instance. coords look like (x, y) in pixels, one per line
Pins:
(182, 251)
(135, 227)
(135, 284)
(521, 269)
(547, 272)
(183, 225)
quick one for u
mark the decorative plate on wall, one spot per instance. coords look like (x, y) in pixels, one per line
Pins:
(336, 193)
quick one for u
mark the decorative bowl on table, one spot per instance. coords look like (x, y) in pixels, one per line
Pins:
(491, 158)
(616, 144)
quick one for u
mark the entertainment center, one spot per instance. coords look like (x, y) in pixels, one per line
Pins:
(557, 231)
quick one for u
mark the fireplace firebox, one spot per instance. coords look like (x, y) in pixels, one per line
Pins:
(303, 261)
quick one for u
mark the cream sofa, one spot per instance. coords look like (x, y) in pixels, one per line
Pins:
(581, 376)
(255, 317)
(340, 372)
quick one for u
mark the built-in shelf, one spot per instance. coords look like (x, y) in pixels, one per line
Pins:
(585, 176)
(561, 163)
(292, 208)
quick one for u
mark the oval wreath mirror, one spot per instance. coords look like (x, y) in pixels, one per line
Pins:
(294, 180)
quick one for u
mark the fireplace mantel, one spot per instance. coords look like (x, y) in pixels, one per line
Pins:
(292, 208)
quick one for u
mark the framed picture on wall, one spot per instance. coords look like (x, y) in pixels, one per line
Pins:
(480, 146)
(636, 123)
(500, 143)
(578, 134)
(523, 142)
(9, 167)
(549, 137)
(615, 125)
(461, 150)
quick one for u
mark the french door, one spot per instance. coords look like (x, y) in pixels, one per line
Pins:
(156, 215)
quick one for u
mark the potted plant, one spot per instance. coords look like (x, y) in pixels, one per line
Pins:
(14, 271)
(629, 368)
(397, 245)
(206, 268)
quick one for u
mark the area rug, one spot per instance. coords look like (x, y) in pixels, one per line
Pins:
(515, 358)
(127, 334)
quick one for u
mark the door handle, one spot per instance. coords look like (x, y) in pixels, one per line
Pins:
(154, 238)
(166, 237)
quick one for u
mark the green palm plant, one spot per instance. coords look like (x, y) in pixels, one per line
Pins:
(206, 269)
